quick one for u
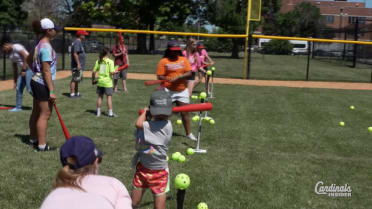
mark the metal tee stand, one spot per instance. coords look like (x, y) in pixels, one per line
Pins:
(210, 85)
(197, 149)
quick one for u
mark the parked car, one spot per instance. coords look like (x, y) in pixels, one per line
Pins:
(93, 46)
(323, 53)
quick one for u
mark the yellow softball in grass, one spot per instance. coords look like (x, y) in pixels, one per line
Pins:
(203, 95)
(190, 151)
(179, 122)
(181, 158)
(202, 205)
(195, 118)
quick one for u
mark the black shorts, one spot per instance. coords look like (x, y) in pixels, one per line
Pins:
(192, 77)
(40, 92)
(103, 90)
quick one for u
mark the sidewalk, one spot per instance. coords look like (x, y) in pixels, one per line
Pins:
(8, 84)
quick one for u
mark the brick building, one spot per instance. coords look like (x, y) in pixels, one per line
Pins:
(337, 14)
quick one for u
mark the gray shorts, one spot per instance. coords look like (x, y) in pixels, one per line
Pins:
(77, 75)
(103, 90)
(122, 75)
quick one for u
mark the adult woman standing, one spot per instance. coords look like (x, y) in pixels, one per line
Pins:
(78, 185)
(192, 55)
(205, 60)
(175, 69)
(42, 84)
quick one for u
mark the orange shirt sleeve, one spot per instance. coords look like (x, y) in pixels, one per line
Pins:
(161, 67)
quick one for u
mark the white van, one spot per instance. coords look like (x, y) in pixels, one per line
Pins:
(299, 47)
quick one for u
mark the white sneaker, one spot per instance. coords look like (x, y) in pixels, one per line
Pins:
(191, 136)
(113, 115)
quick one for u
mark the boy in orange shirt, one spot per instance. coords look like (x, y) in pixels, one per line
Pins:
(175, 69)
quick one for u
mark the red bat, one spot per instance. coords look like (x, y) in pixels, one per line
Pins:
(6, 108)
(154, 82)
(123, 67)
(193, 107)
(189, 108)
(64, 129)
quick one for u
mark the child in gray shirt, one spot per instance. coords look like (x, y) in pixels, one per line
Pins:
(152, 141)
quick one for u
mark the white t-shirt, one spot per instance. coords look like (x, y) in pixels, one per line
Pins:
(15, 56)
(108, 188)
(63, 198)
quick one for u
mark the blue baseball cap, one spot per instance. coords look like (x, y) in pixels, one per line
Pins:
(82, 148)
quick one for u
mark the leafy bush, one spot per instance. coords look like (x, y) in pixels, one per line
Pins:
(218, 44)
(277, 47)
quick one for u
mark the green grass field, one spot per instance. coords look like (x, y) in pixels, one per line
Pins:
(268, 148)
(263, 67)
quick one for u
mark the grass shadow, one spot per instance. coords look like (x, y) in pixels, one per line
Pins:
(177, 134)
(145, 204)
(94, 112)
(66, 94)
(23, 138)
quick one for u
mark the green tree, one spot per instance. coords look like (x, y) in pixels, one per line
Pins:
(304, 21)
(309, 19)
(230, 15)
(137, 14)
(270, 12)
(11, 12)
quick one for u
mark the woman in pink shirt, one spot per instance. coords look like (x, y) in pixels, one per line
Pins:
(79, 178)
(205, 61)
(192, 55)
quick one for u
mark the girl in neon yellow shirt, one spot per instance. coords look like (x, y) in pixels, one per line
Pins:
(105, 68)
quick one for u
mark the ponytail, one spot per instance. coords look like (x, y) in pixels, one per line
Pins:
(69, 177)
(36, 27)
(105, 51)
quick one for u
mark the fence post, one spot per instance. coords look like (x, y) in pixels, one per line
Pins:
(355, 38)
(63, 48)
(249, 57)
(308, 59)
(4, 55)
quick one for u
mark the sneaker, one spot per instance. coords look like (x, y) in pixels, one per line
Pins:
(78, 95)
(112, 116)
(47, 148)
(33, 143)
(15, 110)
(191, 137)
